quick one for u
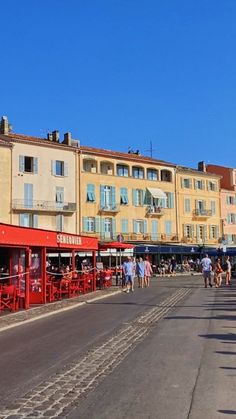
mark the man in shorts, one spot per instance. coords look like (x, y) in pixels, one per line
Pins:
(128, 272)
(206, 270)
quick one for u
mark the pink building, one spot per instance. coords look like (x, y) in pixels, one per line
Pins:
(228, 200)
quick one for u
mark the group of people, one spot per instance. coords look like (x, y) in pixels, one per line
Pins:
(208, 267)
(139, 268)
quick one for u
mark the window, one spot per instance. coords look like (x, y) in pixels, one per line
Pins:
(59, 168)
(29, 220)
(28, 164)
(124, 196)
(59, 196)
(60, 222)
(122, 170)
(140, 226)
(138, 195)
(170, 200)
(28, 195)
(188, 231)
(152, 174)
(168, 227)
(166, 176)
(186, 183)
(214, 232)
(187, 205)
(199, 184)
(137, 172)
(230, 200)
(90, 193)
(124, 225)
(212, 186)
(231, 218)
(107, 197)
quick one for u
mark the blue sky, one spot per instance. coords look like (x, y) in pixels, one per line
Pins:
(120, 73)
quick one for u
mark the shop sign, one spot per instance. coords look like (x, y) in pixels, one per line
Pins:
(66, 239)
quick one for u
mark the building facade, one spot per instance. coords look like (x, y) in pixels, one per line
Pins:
(5, 181)
(228, 202)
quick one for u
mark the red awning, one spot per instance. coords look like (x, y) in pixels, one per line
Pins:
(115, 245)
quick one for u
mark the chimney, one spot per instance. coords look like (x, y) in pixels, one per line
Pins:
(5, 128)
(55, 136)
(202, 166)
(67, 138)
(49, 136)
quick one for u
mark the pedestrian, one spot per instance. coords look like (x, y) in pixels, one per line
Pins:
(140, 267)
(173, 266)
(228, 271)
(206, 270)
(162, 267)
(128, 268)
(218, 273)
(147, 272)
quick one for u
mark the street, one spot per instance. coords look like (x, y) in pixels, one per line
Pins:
(164, 352)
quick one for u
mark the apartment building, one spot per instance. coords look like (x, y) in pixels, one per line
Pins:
(5, 181)
(228, 201)
(128, 195)
(43, 180)
(198, 206)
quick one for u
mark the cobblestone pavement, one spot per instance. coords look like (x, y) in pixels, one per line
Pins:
(58, 396)
(16, 319)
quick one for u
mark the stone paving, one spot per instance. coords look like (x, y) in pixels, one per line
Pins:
(8, 320)
(62, 392)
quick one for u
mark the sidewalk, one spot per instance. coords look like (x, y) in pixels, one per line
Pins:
(18, 318)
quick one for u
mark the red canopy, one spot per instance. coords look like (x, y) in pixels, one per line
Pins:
(115, 245)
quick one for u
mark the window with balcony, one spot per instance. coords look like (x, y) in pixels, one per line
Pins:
(152, 174)
(140, 226)
(122, 170)
(28, 164)
(59, 197)
(137, 172)
(166, 175)
(108, 197)
(188, 231)
(89, 224)
(214, 232)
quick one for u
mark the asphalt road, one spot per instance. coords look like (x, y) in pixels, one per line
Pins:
(160, 353)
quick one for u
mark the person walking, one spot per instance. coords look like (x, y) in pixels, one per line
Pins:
(228, 271)
(147, 272)
(140, 267)
(173, 266)
(206, 270)
(218, 273)
(128, 269)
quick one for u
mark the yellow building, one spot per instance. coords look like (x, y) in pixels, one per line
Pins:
(198, 206)
(5, 181)
(43, 180)
(128, 194)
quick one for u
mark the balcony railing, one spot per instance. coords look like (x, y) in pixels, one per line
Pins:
(202, 213)
(109, 208)
(154, 211)
(43, 206)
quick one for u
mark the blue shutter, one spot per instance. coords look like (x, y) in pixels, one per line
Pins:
(124, 195)
(102, 196)
(124, 225)
(21, 163)
(171, 200)
(113, 197)
(53, 167)
(90, 193)
(35, 220)
(134, 226)
(229, 218)
(168, 227)
(65, 169)
(28, 195)
(154, 230)
(113, 227)
(134, 196)
(102, 226)
(22, 220)
(35, 165)
(145, 226)
(84, 224)
(97, 225)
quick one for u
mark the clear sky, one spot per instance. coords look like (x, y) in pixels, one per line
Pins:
(124, 73)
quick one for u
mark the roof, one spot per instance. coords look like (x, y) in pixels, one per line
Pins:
(124, 156)
(196, 172)
(11, 137)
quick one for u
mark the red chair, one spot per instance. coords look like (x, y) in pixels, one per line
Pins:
(8, 300)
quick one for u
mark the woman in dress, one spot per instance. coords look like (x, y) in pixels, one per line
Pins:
(147, 272)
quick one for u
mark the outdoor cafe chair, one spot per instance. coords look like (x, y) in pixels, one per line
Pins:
(8, 299)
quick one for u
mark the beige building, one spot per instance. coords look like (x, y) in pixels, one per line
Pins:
(5, 181)
(43, 181)
(126, 194)
(198, 206)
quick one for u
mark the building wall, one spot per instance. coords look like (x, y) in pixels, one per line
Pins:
(45, 184)
(198, 223)
(128, 216)
(228, 210)
(228, 176)
(5, 183)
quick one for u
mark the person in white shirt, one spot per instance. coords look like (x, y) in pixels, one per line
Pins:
(206, 270)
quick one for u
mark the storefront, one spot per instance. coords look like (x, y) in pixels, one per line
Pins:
(24, 262)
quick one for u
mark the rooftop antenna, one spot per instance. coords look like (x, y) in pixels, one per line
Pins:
(151, 149)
